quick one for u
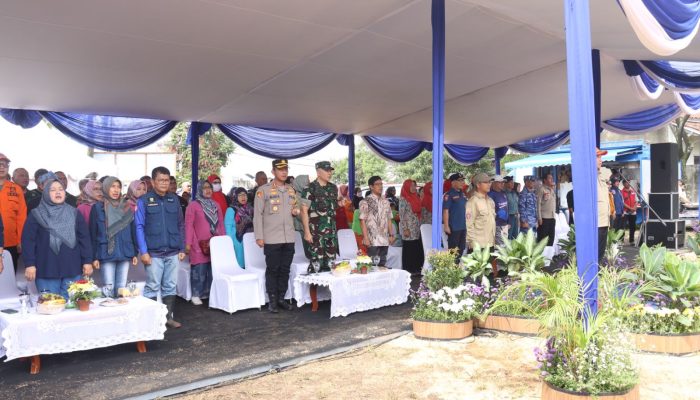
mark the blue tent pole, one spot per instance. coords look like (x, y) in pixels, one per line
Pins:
(583, 140)
(438, 25)
(351, 166)
(497, 162)
(195, 161)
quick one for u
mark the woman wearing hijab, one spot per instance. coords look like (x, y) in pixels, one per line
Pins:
(203, 220)
(218, 196)
(410, 209)
(239, 221)
(56, 242)
(113, 233)
(426, 216)
(136, 189)
(91, 194)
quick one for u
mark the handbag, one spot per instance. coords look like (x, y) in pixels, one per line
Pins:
(204, 246)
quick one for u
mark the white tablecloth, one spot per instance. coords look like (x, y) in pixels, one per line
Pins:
(355, 292)
(72, 330)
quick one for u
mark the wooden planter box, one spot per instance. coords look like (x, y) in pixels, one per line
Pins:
(442, 330)
(668, 344)
(510, 324)
(549, 392)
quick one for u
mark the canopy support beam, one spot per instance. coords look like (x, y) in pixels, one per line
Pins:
(438, 26)
(583, 140)
(351, 166)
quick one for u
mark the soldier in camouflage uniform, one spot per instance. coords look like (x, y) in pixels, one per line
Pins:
(527, 206)
(319, 201)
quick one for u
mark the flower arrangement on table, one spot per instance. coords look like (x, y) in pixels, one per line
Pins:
(363, 264)
(442, 295)
(83, 289)
(661, 295)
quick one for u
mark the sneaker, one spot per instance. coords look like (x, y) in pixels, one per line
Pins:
(196, 301)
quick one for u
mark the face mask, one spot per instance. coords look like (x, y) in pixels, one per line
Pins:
(216, 187)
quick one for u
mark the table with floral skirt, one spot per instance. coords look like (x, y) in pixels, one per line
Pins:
(31, 335)
(353, 292)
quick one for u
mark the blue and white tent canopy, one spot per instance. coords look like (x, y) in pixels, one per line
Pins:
(343, 67)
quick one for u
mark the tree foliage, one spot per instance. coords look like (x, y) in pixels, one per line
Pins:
(367, 164)
(214, 150)
(685, 147)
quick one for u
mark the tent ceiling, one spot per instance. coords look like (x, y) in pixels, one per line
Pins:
(361, 66)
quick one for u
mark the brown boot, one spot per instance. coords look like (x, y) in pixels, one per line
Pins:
(169, 302)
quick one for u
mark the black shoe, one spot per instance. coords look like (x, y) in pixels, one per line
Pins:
(272, 305)
(284, 305)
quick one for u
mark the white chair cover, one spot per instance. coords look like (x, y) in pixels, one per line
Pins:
(347, 244)
(548, 255)
(299, 256)
(184, 286)
(232, 288)
(255, 259)
(394, 258)
(8, 284)
(426, 234)
(561, 231)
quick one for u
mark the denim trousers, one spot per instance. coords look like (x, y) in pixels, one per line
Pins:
(200, 279)
(161, 276)
(114, 273)
(56, 285)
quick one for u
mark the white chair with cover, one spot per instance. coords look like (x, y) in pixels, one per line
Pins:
(299, 256)
(184, 285)
(232, 287)
(255, 260)
(394, 257)
(8, 285)
(347, 244)
(426, 234)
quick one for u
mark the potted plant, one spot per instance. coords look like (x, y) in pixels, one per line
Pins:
(444, 305)
(82, 292)
(582, 357)
(664, 314)
(363, 264)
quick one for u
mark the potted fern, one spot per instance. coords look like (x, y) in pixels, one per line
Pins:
(444, 305)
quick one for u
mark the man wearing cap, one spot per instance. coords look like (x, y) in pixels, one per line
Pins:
(273, 222)
(618, 201)
(527, 205)
(546, 210)
(13, 209)
(512, 197)
(501, 203)
(481, 214)
(318, 216)
(603, 206)
(454, 224)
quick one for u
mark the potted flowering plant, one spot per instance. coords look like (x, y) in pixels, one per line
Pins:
(82, 292)
(444, 305)
(363, 264)
(582, 358)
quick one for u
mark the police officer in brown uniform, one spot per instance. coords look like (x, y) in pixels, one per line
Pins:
(273, 221)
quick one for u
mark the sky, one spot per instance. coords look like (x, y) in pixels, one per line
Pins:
(45, 147)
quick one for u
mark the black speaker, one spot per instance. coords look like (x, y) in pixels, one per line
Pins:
(671, 236)
(666, 205)
(664, 167)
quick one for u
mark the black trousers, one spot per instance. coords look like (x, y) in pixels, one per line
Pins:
(457, 240)
(380, 251)
(619, 222)
(412, 256)
(632, 224)
(278, 258)
(546, 230)
(15, 255)
(602, 242)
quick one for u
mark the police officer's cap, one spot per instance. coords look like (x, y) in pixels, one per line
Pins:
(280, 164)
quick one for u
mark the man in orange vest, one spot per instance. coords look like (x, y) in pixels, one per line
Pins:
(13, 210)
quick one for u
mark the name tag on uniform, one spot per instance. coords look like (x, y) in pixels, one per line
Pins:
(455, 197)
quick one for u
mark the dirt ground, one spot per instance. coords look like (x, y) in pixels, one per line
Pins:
(482, 367)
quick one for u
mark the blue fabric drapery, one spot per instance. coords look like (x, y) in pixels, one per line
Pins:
(632, 69)
(437, 19)
(24, 118)
(196, 130)
(466, 154)
(273, 143)
(349, 140)
(678, 18)
(541, 144)
(692, 101)
(676, 74)
(396, 149)
(107, 132)
(643, 121)
(582, 124)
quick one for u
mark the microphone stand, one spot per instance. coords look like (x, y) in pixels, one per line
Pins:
(643, 226)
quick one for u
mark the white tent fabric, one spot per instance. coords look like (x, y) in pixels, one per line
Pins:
(360, 67)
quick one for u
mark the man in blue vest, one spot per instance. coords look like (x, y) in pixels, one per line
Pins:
(160, 233)
(454, 220)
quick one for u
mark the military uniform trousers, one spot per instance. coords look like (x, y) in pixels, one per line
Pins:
(324, 246)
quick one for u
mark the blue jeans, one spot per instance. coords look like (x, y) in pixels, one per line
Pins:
(200, 279)
(56, 285)
(114, 273)
(514, 226)
(161, 276)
